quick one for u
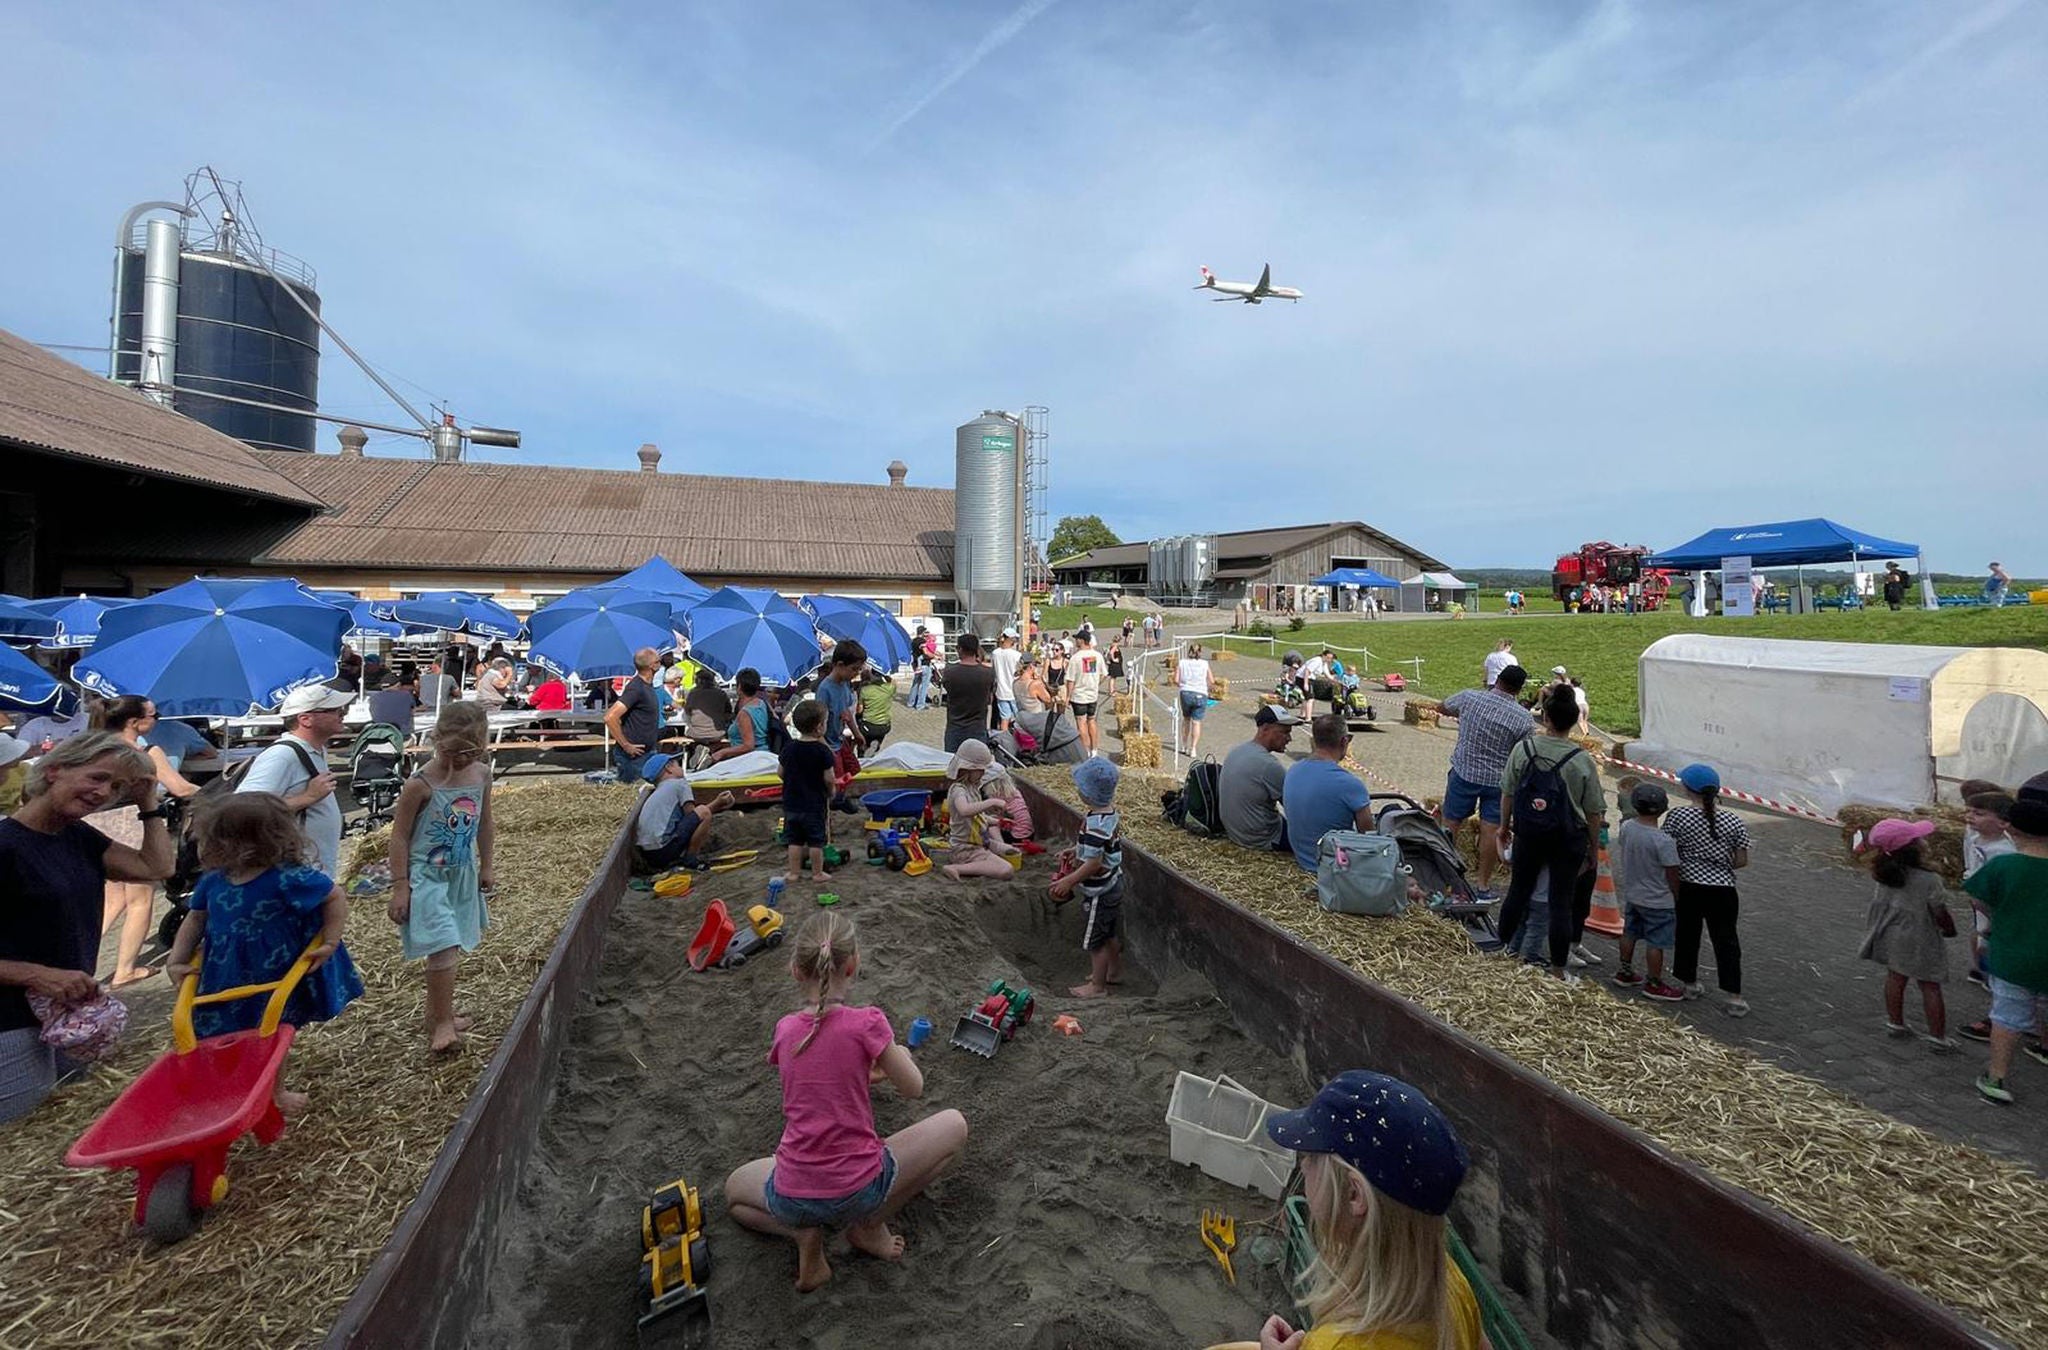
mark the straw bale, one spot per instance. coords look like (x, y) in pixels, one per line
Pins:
(1122, 705)
(1967, 1229)
(306, 1216)
(1220, 685)
(1223, 654)
(1141, 750)
(1421, 712)
(1943, 850)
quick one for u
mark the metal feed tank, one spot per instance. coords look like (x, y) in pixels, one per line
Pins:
(985, 506)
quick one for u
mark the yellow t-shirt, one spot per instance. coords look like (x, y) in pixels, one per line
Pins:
(1464, 1320)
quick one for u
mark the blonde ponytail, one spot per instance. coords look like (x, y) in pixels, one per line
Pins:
(825, 950)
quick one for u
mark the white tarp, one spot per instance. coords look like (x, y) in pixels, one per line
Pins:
(900, 757)
(1822, 724)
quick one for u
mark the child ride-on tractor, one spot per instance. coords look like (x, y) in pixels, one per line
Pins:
(675, 1264)
(999, 1017)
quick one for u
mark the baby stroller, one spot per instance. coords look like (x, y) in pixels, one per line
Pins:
(1433, 861)
(377, 770)
(1054, 741)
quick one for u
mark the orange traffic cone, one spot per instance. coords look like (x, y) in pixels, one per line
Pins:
(1606, 913)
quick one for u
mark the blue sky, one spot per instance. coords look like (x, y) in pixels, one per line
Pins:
(1575, 270)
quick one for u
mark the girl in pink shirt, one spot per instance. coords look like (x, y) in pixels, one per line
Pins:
(831, 1169)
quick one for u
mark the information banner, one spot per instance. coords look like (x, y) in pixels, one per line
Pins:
(1738, 594)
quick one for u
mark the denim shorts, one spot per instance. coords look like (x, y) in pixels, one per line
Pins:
(1657, 927)
(1461, 797)
(2016, 1007)
(1006, 708)
(804, 1212)
(1193, 706)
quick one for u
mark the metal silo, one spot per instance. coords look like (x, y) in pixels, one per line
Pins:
(1159, 560)
(986, 579)
(203, 308)
(1198, 563)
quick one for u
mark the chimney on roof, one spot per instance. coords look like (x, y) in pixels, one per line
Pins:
(898, 471)
(352, 439)
(650, 458)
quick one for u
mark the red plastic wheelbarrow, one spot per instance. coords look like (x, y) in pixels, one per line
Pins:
(175, 1123)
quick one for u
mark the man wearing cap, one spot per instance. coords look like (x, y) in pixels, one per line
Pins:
(1491, 723)
(1003, 664)
(294, 766)
(1252, 783)
(670, 817)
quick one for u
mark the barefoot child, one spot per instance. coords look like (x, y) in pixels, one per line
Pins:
(1099, 877)
(975, 846)
(441, 869)
(1906, 926)
(1649, 892)
(257, 908)
(807, 789)
(1015, 817)
(831, 1170)
(1380, 1166)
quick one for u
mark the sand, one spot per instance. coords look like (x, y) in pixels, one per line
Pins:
(1066, 1224)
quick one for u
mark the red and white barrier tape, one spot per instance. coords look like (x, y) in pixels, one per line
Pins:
(1787, 807)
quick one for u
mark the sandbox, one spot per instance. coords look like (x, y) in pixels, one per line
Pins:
(1067, 1224)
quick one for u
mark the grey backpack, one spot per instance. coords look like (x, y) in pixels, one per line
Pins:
(1360, 874)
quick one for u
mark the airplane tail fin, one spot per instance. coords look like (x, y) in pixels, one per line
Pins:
(1266, 279)
(1208, 278)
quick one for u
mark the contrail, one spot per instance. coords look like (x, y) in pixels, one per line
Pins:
(1972, 25)
(996, 39)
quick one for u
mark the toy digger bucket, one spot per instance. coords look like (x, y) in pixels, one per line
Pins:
(971, 1033)
(712, 936)
(678, 1320)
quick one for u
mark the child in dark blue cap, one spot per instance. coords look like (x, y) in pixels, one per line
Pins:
(1380, 1166)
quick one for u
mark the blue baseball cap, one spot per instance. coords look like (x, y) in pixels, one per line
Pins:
(1387, 1130)
(1699, 778)
(1096, 778)
(655, 765)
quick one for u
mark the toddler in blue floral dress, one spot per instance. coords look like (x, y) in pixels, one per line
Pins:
(441, 838)
(257, 908)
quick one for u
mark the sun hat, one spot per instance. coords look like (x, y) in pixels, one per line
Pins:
(11, 749)
(1270, 716)
(1892, 835)
(655, 766)
(1096, 779)
(2030, 817)
(314, 698)
(1559, 670)
(1387, 1130)
(1699, 778)
(970, 755)
(1648, 797)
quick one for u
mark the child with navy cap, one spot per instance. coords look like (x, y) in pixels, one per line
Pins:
(1380, 1166)
(1098, 877)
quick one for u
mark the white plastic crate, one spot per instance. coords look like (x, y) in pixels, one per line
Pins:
(1216, 1125)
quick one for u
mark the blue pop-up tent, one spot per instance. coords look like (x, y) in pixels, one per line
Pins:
(1354, 576)
(1784, 543)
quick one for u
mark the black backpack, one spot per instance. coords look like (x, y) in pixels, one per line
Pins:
(1197, 806)
(1543, 801)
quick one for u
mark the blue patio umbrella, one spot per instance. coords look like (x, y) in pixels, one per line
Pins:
(27, 687)
(865, 622)
(19, 620)
(661, 577)
(592, 633)
(738, 626)
(363, 620)
(215, 647)
(451, 612)
(77, 616)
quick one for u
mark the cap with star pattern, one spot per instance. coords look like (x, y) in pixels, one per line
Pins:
(1387, 1130)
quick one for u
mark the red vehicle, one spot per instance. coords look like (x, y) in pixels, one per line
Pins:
(1605, 564)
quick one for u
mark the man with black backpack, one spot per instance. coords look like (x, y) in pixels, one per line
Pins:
(294, 766)
(1551, 810)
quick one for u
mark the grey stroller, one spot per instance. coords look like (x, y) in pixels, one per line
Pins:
(1433, 860)
(1057, 742)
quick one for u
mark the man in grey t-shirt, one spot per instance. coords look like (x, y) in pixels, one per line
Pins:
(1250, 784)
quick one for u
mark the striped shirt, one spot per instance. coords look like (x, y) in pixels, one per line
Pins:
(1490, 726)
(1703, 858)
(1101, 838)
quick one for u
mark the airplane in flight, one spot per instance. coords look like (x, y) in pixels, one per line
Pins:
(1250, 293)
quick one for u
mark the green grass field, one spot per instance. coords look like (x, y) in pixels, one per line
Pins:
(1601, 650)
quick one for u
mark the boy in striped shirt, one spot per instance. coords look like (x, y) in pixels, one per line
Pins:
(1098, 877)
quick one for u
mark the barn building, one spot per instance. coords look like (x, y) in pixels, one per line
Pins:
(1272, 568)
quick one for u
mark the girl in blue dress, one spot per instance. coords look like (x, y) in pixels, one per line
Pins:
(441, 837)
(257, 908)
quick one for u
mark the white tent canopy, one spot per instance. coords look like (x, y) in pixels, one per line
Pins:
(1822, 724)
(1437, 581)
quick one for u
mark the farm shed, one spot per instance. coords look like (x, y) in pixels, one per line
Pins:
(1821, 724)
